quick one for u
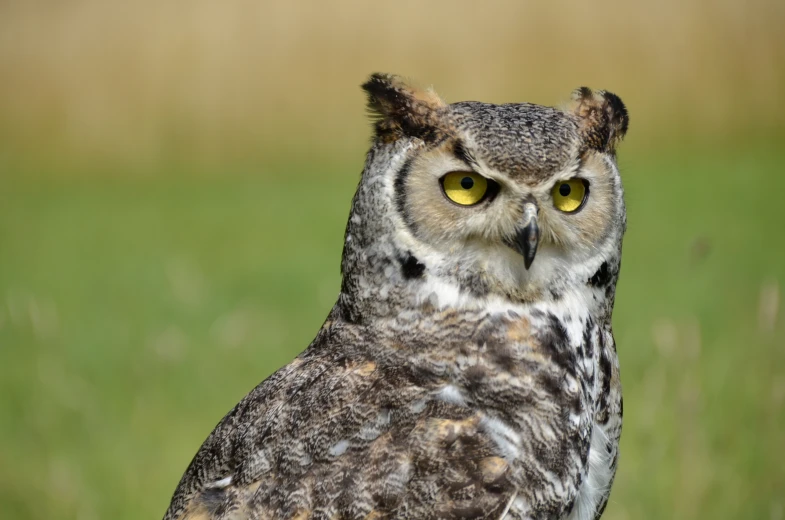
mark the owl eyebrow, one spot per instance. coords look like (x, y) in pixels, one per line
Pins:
(578, 165)
(463, 154)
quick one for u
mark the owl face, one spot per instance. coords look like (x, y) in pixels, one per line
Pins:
(457, 203)
(510, 199)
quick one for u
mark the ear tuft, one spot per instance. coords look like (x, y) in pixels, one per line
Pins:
(399, 109)
(603, 118)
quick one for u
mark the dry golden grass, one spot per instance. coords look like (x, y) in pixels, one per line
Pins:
(134, 83)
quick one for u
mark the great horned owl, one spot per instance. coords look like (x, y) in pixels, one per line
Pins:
(468, 368)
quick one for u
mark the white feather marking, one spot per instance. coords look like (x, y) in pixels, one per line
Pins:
(506, 438)
(547, 432)
(339, 448)
(418, 405)
(572, 385)
(369, 433)
(597, 481)
(521, 508)
(451, 394)
(220, 484)
(509, 505)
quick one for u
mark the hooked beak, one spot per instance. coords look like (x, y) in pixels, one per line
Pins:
(527, 236)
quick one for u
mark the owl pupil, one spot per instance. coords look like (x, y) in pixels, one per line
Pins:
(467, 183)
(564, 190)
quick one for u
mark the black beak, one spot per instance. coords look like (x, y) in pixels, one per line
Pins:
(527, 237)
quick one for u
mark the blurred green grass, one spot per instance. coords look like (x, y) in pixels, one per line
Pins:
(134, 312)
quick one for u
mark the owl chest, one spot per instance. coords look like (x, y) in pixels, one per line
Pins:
(602, 387)
(544, 391)
(586, 361)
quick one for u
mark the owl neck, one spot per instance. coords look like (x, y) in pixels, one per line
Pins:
(385, 274)
(386, 287)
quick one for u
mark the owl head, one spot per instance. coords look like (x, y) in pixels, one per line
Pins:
(467, 202)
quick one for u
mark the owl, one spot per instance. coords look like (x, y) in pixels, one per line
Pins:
(468, 369)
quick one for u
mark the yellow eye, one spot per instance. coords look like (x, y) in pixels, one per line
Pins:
(464, 188)
(569, 196)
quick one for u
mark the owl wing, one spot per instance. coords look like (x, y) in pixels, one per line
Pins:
(332, 436)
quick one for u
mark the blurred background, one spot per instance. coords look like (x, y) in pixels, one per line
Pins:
(175, 178)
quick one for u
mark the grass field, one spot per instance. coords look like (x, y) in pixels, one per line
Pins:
(134, 312)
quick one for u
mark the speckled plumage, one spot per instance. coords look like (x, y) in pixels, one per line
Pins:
(449, 381)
